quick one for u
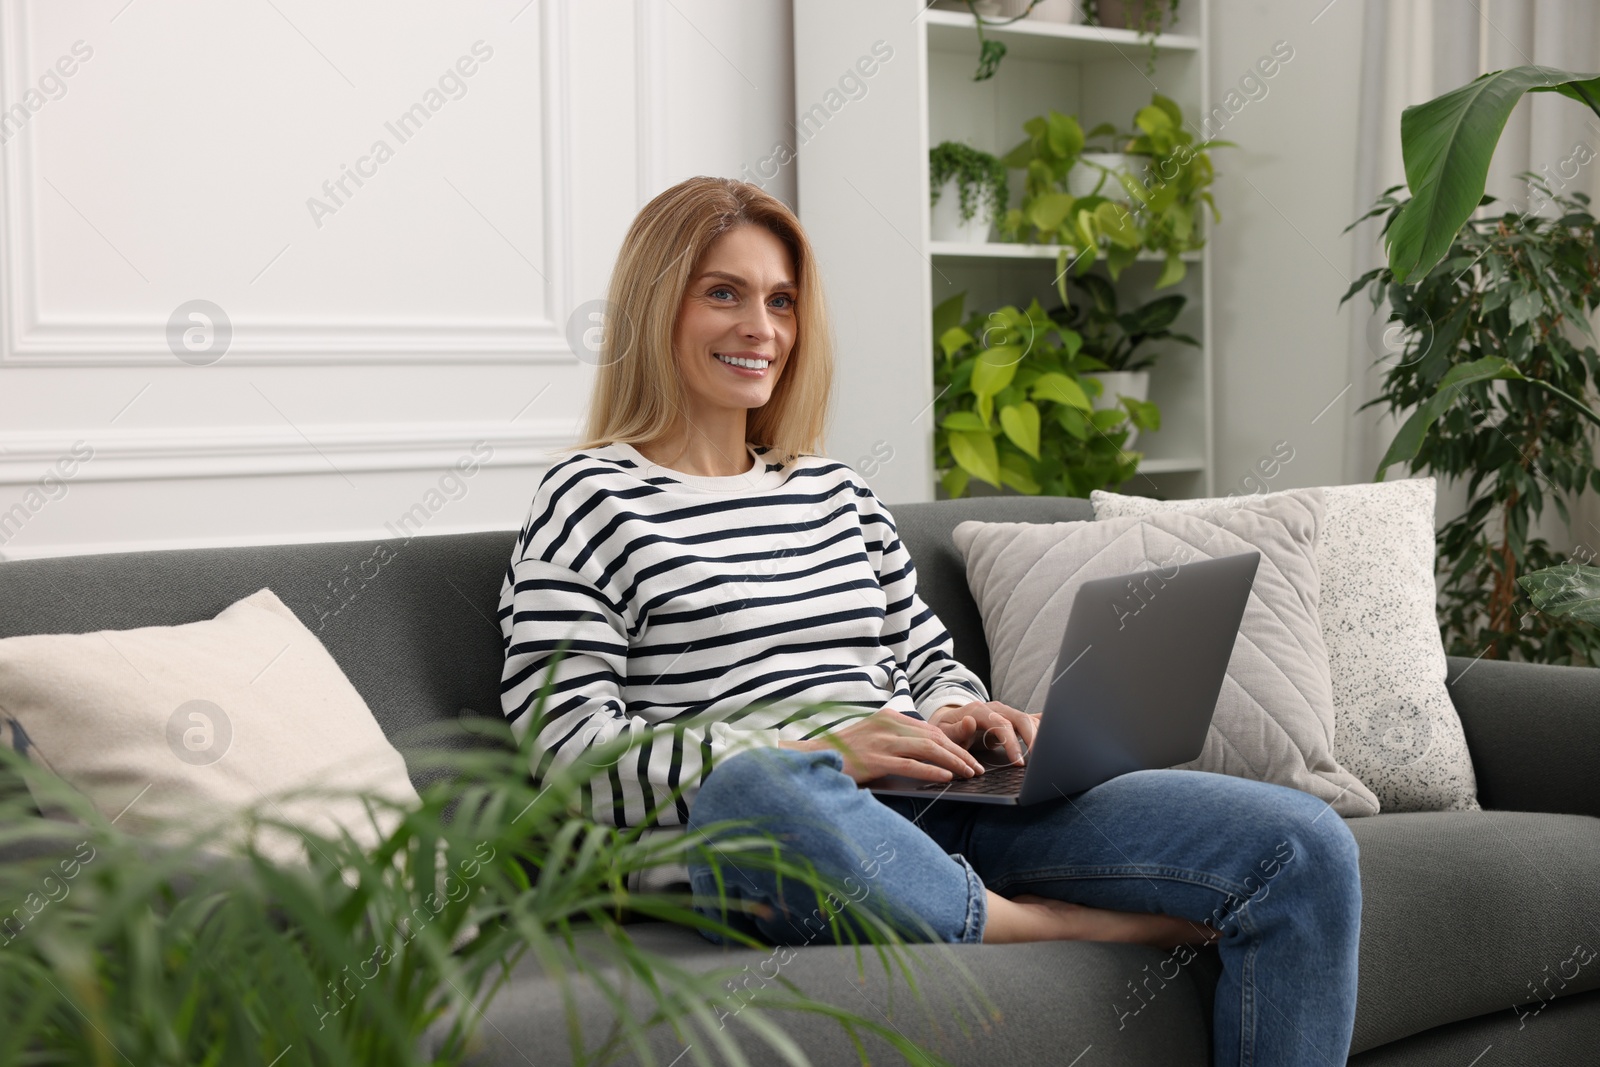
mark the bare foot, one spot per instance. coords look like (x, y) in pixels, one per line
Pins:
(1034, 918)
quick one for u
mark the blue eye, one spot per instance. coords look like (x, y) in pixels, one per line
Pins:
(782, 296)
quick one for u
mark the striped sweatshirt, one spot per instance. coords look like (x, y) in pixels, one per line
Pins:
(708, 615)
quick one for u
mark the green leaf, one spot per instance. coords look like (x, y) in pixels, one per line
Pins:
(1145, 415)
(954, 340)
(1064, 135)
(1173, 272)
(947, 315)
(1021, 424)
(996, 367)
(1156, 315)
(977, 455)
(1106, 418)
(964, 420)
(1114, 221)
(1062, 390)
(1015, 473)
(1567, 589)
(1118, 258)
(1408, 441)
(1048, 211)
(955, 481)
(1447, 144)
(1525, 307)
(1072, 420)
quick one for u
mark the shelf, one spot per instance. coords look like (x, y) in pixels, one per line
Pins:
(1169, 466)
(1003, 250)
(956, 31)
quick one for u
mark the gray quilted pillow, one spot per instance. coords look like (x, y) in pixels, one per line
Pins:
(1274, 716)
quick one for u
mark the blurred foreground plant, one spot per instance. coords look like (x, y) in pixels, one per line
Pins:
(184, 955)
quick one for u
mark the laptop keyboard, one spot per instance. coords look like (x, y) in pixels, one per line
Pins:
(1005, 779)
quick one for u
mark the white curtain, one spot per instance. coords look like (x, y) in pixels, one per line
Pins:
(1413, 50)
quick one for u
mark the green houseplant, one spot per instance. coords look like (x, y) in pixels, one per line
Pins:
(1173, 190)
(1049, 213)
(979, 180)
(1012, 408)
(1496, 349)
(176, 956)
(1114, 342)
(1447, 144)
(1159, 211)
(1149, 17)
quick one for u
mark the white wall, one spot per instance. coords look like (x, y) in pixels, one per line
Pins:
(1278, 260)
(428, 315)
(420, 325)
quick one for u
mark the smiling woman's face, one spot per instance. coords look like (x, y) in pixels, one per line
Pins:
(739, 305)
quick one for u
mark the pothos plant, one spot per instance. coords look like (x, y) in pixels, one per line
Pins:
(980, 177)
(1012, 408)
(1049, 214)
(1496, 351)
(1161, 213)
(1169, 195)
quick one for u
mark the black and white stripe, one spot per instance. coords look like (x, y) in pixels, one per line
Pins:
(709, 615)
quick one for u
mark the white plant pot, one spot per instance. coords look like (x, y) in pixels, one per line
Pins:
(1058, 11)
(1134, 383)
(946, 224)
(1086, 174)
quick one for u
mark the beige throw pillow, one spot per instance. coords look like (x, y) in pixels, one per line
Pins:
(1274, 717)
(169, 728)
(1398, 730)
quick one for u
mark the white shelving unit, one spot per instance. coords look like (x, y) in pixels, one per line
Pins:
(883, 272)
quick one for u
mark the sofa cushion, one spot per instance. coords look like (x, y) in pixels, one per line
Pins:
(1051, 1001)
(169, 728)
(942, 574)
(411, 623)
(1396, 728)
(1273, 719)
(1470, 913)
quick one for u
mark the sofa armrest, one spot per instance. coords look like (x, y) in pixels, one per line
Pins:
(1534, 733)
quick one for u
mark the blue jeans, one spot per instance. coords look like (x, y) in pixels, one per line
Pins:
(1271, 868)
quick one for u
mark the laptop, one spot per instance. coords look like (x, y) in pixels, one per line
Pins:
(1141, 664)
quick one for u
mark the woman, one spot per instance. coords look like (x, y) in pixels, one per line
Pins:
(717, 578)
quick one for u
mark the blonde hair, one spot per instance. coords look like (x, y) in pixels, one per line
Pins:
(638, 392)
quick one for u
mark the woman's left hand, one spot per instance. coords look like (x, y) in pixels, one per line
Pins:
(995, 724)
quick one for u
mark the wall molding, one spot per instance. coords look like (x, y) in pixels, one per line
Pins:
(165, 453)
(28, 340)
(359, 537)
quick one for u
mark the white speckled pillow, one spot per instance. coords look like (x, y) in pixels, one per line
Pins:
(1396, 727)
(1274, 714)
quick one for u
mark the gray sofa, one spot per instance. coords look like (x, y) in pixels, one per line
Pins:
(1466, 915)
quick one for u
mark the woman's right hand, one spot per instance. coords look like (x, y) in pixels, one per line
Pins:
(890, 742)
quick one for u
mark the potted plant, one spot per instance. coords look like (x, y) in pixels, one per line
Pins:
(1157, 211)
(1172, 190)
(991, 52)
(1150, 17)
(1049, 212)
(1446, 144)
(1495, 347)
(1097, 171)
(1013, 411)
(1114, 344)
(968, 190)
